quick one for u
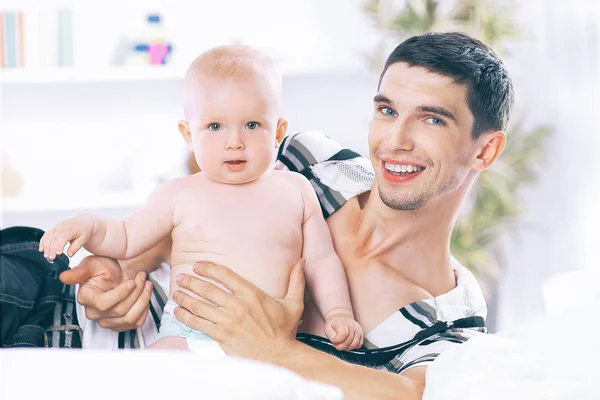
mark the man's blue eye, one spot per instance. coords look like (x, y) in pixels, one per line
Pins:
(252, 125)
(214, 126)
(435, 121)
(388, 111)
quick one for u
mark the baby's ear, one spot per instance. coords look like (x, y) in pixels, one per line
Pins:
(281, 131)
(184, 129)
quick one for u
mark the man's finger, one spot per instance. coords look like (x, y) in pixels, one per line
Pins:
(207, 290)
(297, 283)
(143, 316)
(115, 324)
(141, 307)
(226, 277)
(78, 275)
(122, 307)
(200, 308)
(104, 301)
(211, 329)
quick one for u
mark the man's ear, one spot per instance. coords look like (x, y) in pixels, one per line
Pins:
(184, 129)
(281, 130)
(491, 146)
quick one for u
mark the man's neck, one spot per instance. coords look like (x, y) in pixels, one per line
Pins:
(416, 243)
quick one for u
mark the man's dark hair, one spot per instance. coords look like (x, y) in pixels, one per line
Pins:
(468, 61)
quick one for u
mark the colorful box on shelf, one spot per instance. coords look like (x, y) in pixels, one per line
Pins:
(152, 46)
(36, 39)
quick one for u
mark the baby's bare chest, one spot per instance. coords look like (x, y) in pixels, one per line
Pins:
(234, 218)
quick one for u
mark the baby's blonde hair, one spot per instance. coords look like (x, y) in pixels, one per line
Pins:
(233, 61)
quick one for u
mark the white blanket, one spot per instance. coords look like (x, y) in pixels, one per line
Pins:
(557, 358)
(60, 374)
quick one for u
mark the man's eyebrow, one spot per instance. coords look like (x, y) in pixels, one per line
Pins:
(379, 98)
(439, 110)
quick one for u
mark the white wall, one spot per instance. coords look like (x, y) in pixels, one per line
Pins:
(557, 71)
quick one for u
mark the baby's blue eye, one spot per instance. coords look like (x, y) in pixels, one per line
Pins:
(214, 126)
(252, 125)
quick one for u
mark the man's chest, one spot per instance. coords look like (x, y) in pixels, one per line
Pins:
(377, 289)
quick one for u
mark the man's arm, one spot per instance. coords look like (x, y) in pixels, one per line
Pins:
(254, 325)
(357, 382)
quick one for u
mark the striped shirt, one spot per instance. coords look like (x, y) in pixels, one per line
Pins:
(412, 336)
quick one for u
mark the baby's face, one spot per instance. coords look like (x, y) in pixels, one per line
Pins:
(233, 124)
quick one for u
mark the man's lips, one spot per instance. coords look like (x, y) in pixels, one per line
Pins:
(398, 171)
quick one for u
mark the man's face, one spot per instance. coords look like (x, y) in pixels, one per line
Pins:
(420, 137)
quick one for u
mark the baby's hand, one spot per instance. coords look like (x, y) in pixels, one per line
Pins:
(76, 230)
(343, 331)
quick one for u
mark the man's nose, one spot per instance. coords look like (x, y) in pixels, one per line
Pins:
(400, 136)
(234, 141)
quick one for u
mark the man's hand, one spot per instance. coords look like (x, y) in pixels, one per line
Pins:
(246, 322)
(115, 303)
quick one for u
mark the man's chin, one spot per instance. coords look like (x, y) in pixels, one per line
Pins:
(406, 203)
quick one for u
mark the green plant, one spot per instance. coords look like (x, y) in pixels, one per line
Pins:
(493, 206)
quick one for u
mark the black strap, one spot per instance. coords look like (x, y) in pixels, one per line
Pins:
(381, 356)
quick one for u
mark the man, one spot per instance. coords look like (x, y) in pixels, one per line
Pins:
(440, 112)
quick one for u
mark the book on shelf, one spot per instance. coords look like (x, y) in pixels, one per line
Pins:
(36, 39)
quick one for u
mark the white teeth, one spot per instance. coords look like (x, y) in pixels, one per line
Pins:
(404, 168)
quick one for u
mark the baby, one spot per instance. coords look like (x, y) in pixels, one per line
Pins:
(237, 211)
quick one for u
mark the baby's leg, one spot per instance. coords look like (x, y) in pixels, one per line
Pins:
(170, 342)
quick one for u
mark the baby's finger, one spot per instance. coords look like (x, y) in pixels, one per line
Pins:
(358, 340)
(347, 341)
(51, 252)
(75, 246)
(342, 333)
(330, 332)
(41, 244)
(52, 245)
(65, 237)
(45, 242)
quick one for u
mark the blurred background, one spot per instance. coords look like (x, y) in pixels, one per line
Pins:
(91, 95)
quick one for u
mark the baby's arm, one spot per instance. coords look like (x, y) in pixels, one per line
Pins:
(325, 275)
(112, 237)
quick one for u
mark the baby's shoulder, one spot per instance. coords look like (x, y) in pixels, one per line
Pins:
(181, 185)
(294, 178)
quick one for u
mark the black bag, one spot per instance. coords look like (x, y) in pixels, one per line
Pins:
(36, 308)
(380, 356)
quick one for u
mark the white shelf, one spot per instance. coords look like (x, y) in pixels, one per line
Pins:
(91, 75)
(142, 73)
(79, 202)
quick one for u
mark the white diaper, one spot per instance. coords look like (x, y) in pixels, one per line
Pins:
(198, 342)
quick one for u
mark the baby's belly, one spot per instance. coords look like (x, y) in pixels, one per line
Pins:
(268, 270)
